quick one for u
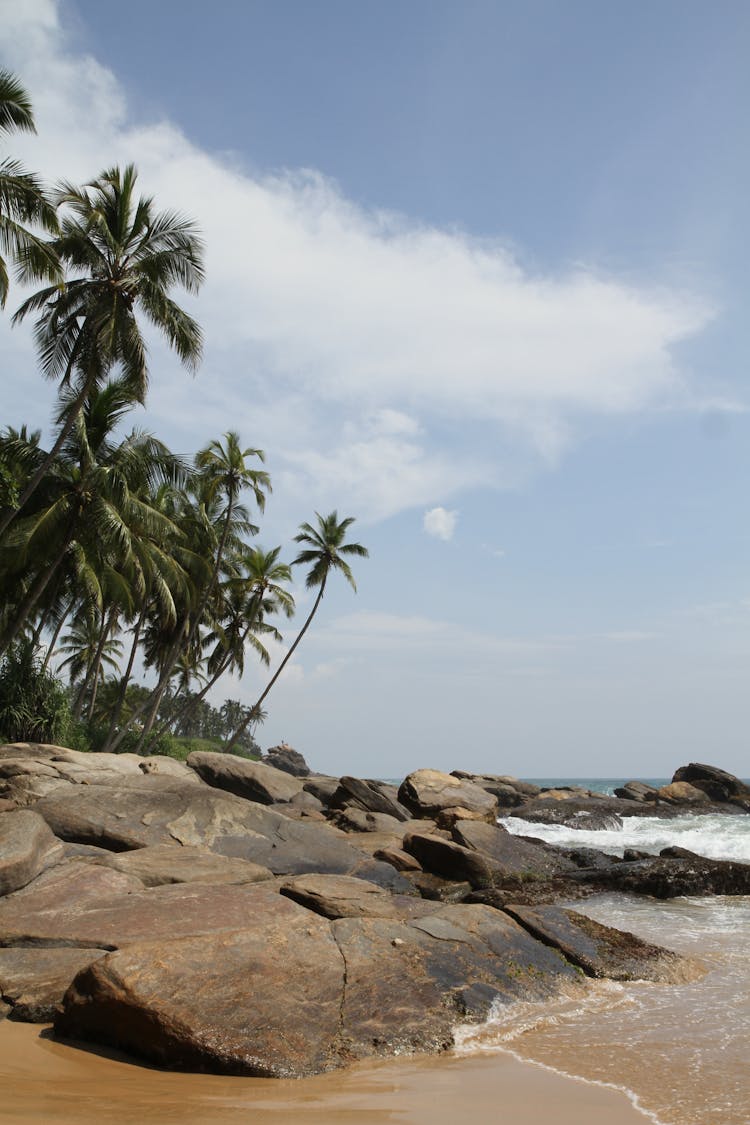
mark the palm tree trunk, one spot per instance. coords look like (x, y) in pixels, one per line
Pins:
(168, 668)
(33, 595)
(255, 709)
(107, 628)
(56, 634)
(126, 678)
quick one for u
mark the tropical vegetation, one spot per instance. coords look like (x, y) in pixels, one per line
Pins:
(125, 568)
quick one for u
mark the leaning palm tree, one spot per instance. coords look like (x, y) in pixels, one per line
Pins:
(122, 258)
(22, 197)
(325, 550)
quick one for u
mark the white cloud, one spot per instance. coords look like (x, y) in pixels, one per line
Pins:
(366, 343)
(440, 523)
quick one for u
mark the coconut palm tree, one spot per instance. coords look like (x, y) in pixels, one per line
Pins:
(325, 548)
(122, 258)
(22, 197)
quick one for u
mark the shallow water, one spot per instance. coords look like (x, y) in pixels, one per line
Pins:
(682, 1050)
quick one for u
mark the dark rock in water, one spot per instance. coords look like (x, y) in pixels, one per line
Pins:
(599, 950)
(717, 784)
(34, 980)
(284, 757)
(255, 781)
(27, 846)
(589, 857)
(673, 852)
(671, 878)
(427, 792)
(299, 994)
(592, 813)
(370, 796)
(636, 791)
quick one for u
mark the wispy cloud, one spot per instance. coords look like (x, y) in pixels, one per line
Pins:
(355, 337)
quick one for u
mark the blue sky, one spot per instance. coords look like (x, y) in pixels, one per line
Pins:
(476, 275)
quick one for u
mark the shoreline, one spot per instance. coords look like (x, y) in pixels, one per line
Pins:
(56, 1083)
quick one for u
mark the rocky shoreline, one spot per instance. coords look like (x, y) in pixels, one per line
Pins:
(232, 916)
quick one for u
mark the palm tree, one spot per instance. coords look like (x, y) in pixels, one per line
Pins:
(325, 548)
(124, 258)
(22, 197)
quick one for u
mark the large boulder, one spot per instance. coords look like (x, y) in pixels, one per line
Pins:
(682, 793)
(593, 813)
(453, 862)
(717, 784)
(255, 781)
(665, 877)
(369, 796)
(295, 994)
(27, 847)
(427, 792)
(286, 758)
(636, 791)
(510, 791)
(515, 855)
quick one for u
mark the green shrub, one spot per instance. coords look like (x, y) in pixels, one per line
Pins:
(34, 705)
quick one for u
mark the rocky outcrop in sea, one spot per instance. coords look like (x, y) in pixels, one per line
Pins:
(230, 916)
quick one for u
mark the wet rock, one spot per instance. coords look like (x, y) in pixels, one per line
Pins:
(574, 812)
(33, 981)
(27, 847)
(255, 781)
(436, 889)
(670, 878)
(599, 950)
(286, 758)
(426, 792)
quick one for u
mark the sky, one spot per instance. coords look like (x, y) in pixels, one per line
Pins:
(476, 276)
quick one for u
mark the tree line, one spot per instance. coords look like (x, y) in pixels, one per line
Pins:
(116, 554)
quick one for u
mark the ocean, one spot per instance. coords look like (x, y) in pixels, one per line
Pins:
(679, 1051)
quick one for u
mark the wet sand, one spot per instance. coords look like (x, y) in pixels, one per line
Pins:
(42, 1080)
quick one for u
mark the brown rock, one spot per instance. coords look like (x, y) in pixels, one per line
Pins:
(254, 781)
(682, 793)
(162, 864)
(340, 896)
(601, 951)
(27, 846)
(513, 854)
(397, 858)
(425, 792)
(34, 980)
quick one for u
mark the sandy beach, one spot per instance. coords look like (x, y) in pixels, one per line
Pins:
(46, 1081)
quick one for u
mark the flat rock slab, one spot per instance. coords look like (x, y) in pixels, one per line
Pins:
(254, 781)
(163, 864)
(33, 981)
(27, 847)
(130, 913)
(427, 792)
(599, 950)
(297, 994)
(344, 896)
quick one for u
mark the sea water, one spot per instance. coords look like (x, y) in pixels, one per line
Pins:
(682, 1051)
